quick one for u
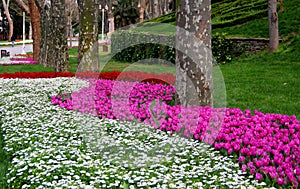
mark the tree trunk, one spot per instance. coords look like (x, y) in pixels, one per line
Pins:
(141, 8)
(193, 53)
(30, 31)
(53, 48)
(10, 21)
(36, 31)
(46, 46)
(59, 37)
(22, 6)
(273, 26)
(88, 35)
(69, 20)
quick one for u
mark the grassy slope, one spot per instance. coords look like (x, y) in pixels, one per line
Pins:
(267, 82)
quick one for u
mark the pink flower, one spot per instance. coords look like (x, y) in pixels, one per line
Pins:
(241, 159)
(244, 168)
(258, 176)
(280, 181)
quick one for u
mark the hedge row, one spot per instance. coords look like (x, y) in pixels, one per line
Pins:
(132, 47)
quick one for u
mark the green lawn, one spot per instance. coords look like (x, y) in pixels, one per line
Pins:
(268, 83)
(4, 161)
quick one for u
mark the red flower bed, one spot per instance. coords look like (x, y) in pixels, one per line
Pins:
(32, 75)
(164, 78)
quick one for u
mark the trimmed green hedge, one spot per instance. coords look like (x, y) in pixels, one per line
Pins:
(132, 47)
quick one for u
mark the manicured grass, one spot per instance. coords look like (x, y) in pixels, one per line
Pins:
(154, 28)
(24, 68)
(268, 83)
(4, 161)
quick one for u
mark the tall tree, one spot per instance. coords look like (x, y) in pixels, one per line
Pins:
(88, 35)
(71, 11)
(46, 44)
(22, 5)
(273, 25)
(193, 53)
(10, 21)
(59, 38)
(36, 31)
(141, 7)
(54, 47)
(33, 11)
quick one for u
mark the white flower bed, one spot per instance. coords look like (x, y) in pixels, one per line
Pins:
(55, 148)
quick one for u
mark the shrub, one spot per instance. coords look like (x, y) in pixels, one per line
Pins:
(224, 49)
(132, 47)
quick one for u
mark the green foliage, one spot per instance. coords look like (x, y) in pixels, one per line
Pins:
(167, 18)
(224, 49)
(131, 47)
(225, 13)
(125, 12)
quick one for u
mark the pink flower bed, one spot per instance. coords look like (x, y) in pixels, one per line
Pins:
(19, 61)
(267, 145)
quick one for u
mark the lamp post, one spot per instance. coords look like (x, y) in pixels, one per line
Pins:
(23, 47)
(102, 37)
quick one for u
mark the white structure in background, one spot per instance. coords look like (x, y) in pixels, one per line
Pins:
(23, 48)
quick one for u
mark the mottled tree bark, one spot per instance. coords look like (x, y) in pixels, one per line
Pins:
(273, 25)
(46, 45)
(36, 31)
(69, 20)
(59, 37)
(88, 35)
(53, 48)
(193, 53)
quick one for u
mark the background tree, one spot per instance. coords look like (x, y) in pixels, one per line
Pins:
(54, 47)
(36, 28)
(59, 38)
(71, 12)
(10, 21)
(22, 5)
(193, 54)
(46, 44)
(126, 12)
(273, 25)
(32, 10)
(88, 35)
(141, 7)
